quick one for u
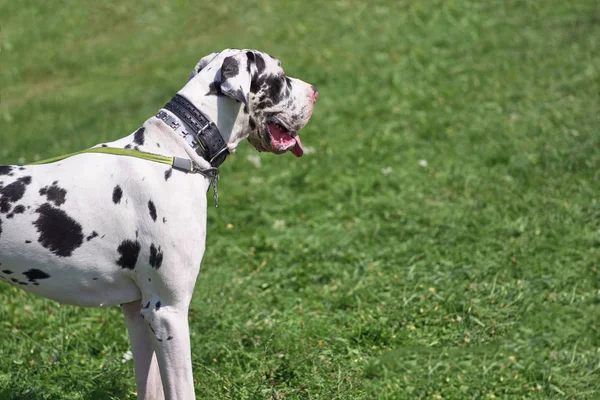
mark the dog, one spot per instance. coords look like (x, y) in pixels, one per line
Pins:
(98, 229)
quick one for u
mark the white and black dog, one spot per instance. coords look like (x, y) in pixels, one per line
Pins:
(101, 229)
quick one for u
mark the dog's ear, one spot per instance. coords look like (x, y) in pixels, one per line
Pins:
(204, 61)
(236, 76)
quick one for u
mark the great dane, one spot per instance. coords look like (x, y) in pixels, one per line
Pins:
(98, 229)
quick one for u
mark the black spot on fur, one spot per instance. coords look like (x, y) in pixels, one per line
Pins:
(128, 146)
(146, 306)
(5, 169)
(14, 280)
(138, 136)
(156, 256)
(252, 123)
(104, 145)
(158, 145)
(23, 283)
(94, 279)
(152, 209)
(229, 68)
(12, 193)
(59, 233)
(54, 193)
(164, 220)
(168, 173)
(20, 209)
(263, 99)
(251, 58)
(93, 235)
(7, 272)
(264, 104)
(157, 305)
(117, 194)
(28, 241)
(260, 64)
(170, 338)
(255, 84)
(274, 86)
(34, 275)
(129, 251)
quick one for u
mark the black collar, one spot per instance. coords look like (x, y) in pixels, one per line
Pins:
(206, 138)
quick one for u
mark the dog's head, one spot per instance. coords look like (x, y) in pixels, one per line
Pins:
(272, 107)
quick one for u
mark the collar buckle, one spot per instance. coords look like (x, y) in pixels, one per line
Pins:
(205, 127)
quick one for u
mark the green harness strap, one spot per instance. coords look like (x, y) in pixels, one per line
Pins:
(124, 152)
(182, 164)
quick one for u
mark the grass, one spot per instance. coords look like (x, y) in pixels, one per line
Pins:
(440, 241)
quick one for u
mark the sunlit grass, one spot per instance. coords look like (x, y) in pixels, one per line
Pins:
(440, 240)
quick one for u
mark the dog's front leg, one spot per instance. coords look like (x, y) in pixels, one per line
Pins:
(147, 373)
(169, 325)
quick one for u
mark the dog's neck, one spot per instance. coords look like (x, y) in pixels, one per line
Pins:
(221, 110)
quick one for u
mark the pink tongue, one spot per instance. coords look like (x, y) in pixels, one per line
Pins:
(281, 140)
(297, 150)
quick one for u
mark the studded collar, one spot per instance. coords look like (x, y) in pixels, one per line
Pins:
(199, 131)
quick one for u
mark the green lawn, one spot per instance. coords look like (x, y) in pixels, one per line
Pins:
(441, 240)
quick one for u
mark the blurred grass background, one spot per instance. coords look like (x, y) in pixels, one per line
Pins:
(440, 240)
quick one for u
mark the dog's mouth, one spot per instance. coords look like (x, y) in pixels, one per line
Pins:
(282, 138)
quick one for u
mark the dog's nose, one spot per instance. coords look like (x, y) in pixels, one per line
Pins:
(315, 92)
